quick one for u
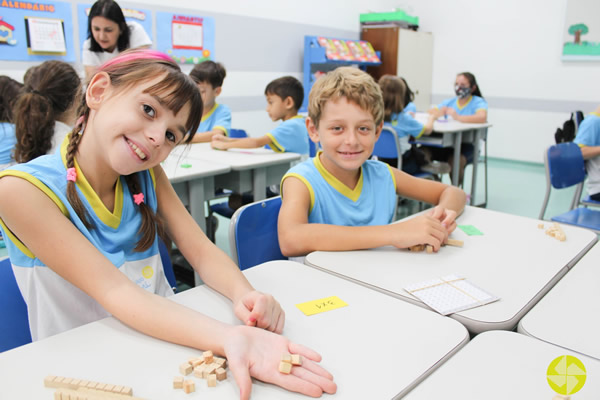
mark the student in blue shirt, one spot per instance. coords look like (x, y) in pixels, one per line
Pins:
(9, 88)
(216, 118)
(284, 98)
(468, 106)
(340, 200)
(588, 138)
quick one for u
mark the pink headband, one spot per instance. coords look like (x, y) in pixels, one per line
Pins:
(142, 54)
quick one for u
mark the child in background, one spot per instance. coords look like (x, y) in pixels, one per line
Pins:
(468, 106)
(588, 138)
(9, 89)
(216, 118)
(46, 109)
(340, 200)
(99, 206)
(409, 97)
(394, 92)
(284, 98)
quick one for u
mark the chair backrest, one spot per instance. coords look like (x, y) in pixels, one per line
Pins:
(167, 264)
(312, 148)
(14, 322)
(388, 145)
(237, 133)
(253, 233)
(564, 165)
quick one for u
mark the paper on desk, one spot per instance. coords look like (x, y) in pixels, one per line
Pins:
(450, 294)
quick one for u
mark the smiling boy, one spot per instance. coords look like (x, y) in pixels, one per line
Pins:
(341, 200)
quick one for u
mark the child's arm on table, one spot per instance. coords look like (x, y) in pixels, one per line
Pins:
(478, 118)
(223, 143)
(206, 137)
(297, 237)
(251, 351)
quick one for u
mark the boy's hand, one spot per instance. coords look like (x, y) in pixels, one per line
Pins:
(220, 142)
(424, 229)
(446, 217)
(256, 353)
(260, 310)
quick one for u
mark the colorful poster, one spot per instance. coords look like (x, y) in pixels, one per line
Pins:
(142, 17)
(31, 31)
(188, 39)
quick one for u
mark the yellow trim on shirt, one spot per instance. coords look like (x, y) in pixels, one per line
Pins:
(274, 145)
(352, 194)
(421, 133)
(595, 113)
(111, 219)
(46, 190)
(221, 128)
(467, 103)
(208, 114)
(393, 177)
(308, 186)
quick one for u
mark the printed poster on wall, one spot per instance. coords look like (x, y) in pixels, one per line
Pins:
(188, 39)
(142, 17)
(31, 31)
(581, 35)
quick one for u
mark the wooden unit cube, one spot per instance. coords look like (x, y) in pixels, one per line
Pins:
(286, 358)
(455, 242)
(296, 359)
(186, 368)
(429, 248)
(196, 361)
(189, 386)
(208, 357)
(285, 368)
(178, 382)
(212, 380)
(221, 361)
(199, 371)
(221, 374)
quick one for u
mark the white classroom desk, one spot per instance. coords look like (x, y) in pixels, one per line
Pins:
(194, 182)
(452, 133)
(251, 169)
(376, 348)
(500, 365)
(568, 316)
(514, 260)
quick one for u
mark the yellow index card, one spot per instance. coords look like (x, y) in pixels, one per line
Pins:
(321, 305)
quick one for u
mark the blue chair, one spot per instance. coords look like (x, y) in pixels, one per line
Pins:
(237, 133)
(14, 322)
(253, 233)
(565, 168)
(167, 264)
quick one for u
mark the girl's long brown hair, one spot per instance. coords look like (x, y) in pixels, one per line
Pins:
(175, 90)
(51, 88)
(394, 92)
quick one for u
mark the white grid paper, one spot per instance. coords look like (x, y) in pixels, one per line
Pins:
(450, 294)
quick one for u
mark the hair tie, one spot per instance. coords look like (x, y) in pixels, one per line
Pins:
(138, 198)
(71, 174)
(32, 90)
(81, 121)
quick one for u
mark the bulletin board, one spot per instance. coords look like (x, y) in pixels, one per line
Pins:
(581, 34)
(188, 39)
(31, 31)
(142, 17)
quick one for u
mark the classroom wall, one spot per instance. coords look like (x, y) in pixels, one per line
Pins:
(514, 53)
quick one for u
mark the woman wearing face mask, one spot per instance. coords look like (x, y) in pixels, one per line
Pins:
(109, 34)
(468, 106)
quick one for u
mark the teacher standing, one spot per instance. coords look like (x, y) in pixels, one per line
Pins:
(109, 34)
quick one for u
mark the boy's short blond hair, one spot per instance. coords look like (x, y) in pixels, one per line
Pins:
(355, 85)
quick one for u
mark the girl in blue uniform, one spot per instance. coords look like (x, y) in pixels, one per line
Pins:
(468, 106)
(83, 232)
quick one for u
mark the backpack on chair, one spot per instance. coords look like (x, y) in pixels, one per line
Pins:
(569, 129)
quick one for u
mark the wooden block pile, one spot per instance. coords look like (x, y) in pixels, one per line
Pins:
(207, 367)
(287, 360)
(429, 248)
(80, 389)
(555, 231)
